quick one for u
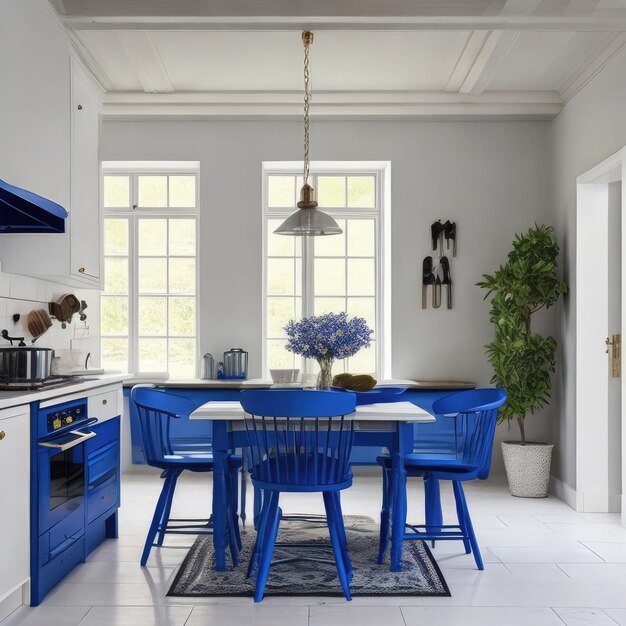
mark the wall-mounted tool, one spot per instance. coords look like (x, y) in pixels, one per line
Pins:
(437, 293)
(20, 340)
(65, 308)
(428, 278)
(449, 232)
(37, 323)
(436, 234)
(447, 279)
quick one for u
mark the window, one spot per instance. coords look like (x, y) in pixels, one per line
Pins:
(148, 307)
(316, 275)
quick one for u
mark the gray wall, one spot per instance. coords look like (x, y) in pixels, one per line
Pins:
(493, 178)
(591, 127)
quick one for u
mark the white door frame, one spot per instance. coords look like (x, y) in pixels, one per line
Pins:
(592, 296)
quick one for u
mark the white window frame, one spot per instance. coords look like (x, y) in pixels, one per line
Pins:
(382, 172)
(134, 169)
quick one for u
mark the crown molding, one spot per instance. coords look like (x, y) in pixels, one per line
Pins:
(502, 22)
(592, 65)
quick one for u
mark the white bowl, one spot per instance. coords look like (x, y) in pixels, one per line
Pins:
(283, 377)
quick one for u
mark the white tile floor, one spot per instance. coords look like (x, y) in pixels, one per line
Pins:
(546, 565)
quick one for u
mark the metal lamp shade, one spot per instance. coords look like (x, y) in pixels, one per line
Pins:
(309, 222)
(308, 219)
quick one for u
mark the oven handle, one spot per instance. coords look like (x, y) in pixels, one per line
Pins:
(82, 437)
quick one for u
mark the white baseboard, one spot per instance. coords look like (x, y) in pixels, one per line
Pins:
(10, 603)
(563, 491)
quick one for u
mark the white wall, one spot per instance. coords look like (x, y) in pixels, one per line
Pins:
(493, 178)
(591, 127)
(35, 141)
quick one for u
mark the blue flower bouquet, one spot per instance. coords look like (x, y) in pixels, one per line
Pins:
(326, 338)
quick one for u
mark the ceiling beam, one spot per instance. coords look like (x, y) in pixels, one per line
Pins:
(467, 58)
(145, 61)
(345, 105)
(502, 22)
(489, 60)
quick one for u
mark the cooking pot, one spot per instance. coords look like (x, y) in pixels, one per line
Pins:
(18, 364)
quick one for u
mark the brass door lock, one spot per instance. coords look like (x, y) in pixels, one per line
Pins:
(614, 350)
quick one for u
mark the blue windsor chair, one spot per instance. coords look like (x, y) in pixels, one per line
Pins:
(156, 410)
(299, 442)
(475, 414)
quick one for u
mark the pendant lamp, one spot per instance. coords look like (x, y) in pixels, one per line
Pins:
(308, 219)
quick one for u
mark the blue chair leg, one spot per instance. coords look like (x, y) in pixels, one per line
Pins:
(341, 532)
(384, 519)
(334, 540)
(258, 504)
(234, 498)
(432, 498)
(460, 513)
(469, 529)
(157, 517)
(267, 549)
(260, 531)
(234, 540)
(244, 481)
(167, 509)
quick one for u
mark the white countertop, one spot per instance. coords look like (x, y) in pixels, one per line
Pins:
(17, 398)
(379, 412)
(261, 383)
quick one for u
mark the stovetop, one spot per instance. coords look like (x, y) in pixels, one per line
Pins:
(49, 383)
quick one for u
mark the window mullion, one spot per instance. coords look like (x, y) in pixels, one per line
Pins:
(133, 294)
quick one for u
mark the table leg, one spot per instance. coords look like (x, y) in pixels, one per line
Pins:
(220, 493)
(398, 497)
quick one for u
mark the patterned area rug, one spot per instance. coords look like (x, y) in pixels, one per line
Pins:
(420, 575)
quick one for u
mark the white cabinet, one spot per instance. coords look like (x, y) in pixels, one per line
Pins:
(15, 491)
(72, 258)
(85, 217)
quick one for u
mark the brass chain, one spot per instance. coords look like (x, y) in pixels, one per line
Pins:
(307, 95)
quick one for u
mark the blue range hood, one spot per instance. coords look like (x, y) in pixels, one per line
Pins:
(23, 211)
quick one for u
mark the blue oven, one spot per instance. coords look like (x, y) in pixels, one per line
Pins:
(74, 489)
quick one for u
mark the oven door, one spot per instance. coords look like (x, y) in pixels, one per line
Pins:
(61, 479)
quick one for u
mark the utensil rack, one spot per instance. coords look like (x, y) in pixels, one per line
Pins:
(436, 271)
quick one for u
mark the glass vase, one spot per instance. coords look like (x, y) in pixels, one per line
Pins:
(325, 376)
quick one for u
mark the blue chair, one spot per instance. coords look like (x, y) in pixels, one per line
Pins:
(475, 414)
(156, 410)
(298, 441)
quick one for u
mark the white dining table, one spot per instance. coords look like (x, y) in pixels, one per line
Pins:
(385, 424)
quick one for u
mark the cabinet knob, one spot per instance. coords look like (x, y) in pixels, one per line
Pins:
(81, 270)
(80, 107)
(104, 401)
(2, 435)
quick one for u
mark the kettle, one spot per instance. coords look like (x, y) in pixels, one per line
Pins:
(235, 364)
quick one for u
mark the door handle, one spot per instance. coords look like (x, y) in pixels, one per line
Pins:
(614, 350)
(61, 447)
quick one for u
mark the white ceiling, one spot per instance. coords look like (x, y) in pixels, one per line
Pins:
(474, 58)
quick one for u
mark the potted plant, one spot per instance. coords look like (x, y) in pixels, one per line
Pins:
(326, 338)
(522, 360)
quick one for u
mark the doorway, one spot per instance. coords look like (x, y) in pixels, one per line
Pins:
(600, 317)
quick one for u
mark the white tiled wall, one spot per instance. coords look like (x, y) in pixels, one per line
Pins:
(21, 294)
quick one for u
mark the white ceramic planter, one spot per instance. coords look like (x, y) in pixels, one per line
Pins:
(527, 468)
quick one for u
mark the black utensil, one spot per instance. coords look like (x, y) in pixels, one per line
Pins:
(450, 233)
(436, 228)
(447, 279)
(427, 279)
